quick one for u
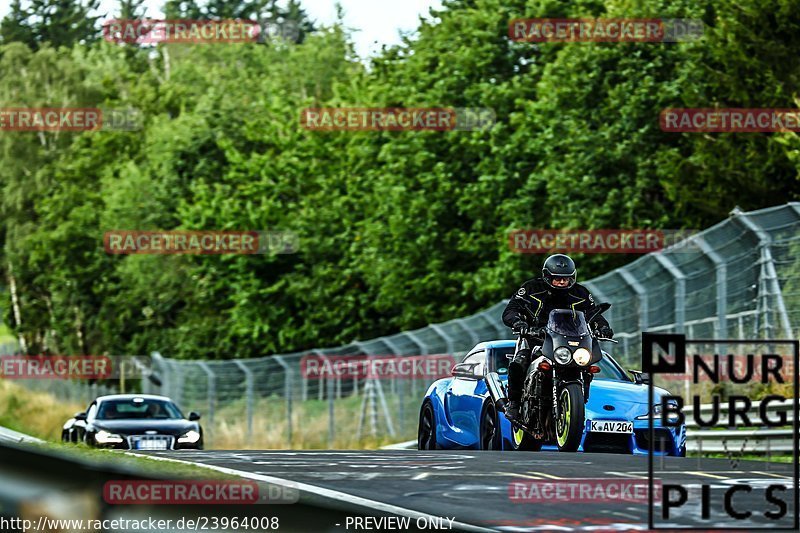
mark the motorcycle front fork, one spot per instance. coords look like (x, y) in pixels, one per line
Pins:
(538, 417)
(557, 387)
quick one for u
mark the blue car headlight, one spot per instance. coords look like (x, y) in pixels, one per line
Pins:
(657, 408)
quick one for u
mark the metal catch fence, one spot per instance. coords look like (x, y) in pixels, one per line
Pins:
(737, 279)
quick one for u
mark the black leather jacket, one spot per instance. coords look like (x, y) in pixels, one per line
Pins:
(535, 299)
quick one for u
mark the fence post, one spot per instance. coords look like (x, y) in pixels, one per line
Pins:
(212, 396)
(166, 378)
(680, 289)
(329, 393)
(396, 386)
(448, 340)
(721, 271)
(641, 296)
(331, 416)
(249, 386)
(768, 274)
(384, 407)
(287, 392)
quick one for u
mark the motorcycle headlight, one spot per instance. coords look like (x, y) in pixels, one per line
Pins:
(190, 437)
(582, 356)
(562, 355)
(104, 437)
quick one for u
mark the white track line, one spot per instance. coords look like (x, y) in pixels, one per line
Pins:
(407, 445)
(321, 491)
(771, 474)
(626, 475)
(705, 474)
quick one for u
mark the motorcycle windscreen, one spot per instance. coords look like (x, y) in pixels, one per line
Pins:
(568, 323)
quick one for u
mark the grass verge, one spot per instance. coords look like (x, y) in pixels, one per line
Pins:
(141, 464)
(35, 413)
(42, 415)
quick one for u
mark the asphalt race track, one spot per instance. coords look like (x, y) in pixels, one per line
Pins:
(473, 487)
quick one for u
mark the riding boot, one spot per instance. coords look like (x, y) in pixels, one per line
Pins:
(516, 379)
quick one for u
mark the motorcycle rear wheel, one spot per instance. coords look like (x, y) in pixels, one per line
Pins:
(571, 418)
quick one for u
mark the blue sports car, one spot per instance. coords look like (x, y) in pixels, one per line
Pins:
(458, 412)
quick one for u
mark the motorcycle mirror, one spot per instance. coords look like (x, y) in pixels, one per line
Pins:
(599, 310)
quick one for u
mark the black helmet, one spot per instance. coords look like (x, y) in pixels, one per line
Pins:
(559, 266)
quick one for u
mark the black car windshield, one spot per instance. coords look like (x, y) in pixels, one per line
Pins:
(138, 409)
(567, 322)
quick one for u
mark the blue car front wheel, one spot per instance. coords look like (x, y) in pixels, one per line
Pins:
(491, 437)
(426, 433)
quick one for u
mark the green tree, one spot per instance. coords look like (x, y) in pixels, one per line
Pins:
(56, 22)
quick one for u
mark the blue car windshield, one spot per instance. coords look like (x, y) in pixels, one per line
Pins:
(568, 323)
(500, 360)
(609, 370)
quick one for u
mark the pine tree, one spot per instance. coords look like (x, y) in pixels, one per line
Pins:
(56, 22)
(15, 26)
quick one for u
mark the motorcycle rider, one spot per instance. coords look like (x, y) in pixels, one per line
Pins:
(529, 308)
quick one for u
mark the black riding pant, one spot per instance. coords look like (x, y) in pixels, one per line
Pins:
(518, 369)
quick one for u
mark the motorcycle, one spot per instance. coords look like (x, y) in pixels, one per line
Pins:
(556, 386)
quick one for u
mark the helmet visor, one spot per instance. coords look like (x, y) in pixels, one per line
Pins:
(561, 282)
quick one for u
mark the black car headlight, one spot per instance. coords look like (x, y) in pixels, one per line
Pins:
(104, 437)
(190, 437)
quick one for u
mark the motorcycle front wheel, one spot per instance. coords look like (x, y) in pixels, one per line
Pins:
(571, 418)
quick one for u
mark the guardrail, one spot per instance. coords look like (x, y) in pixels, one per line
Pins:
(9, 435)
(760, 440)
(48, 487)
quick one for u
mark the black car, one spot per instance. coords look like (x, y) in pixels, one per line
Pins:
(135, 422)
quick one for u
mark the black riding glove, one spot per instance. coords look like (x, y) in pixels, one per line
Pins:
(521, 327)
(605, 332)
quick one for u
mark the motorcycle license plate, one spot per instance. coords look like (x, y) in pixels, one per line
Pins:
(611, 426)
